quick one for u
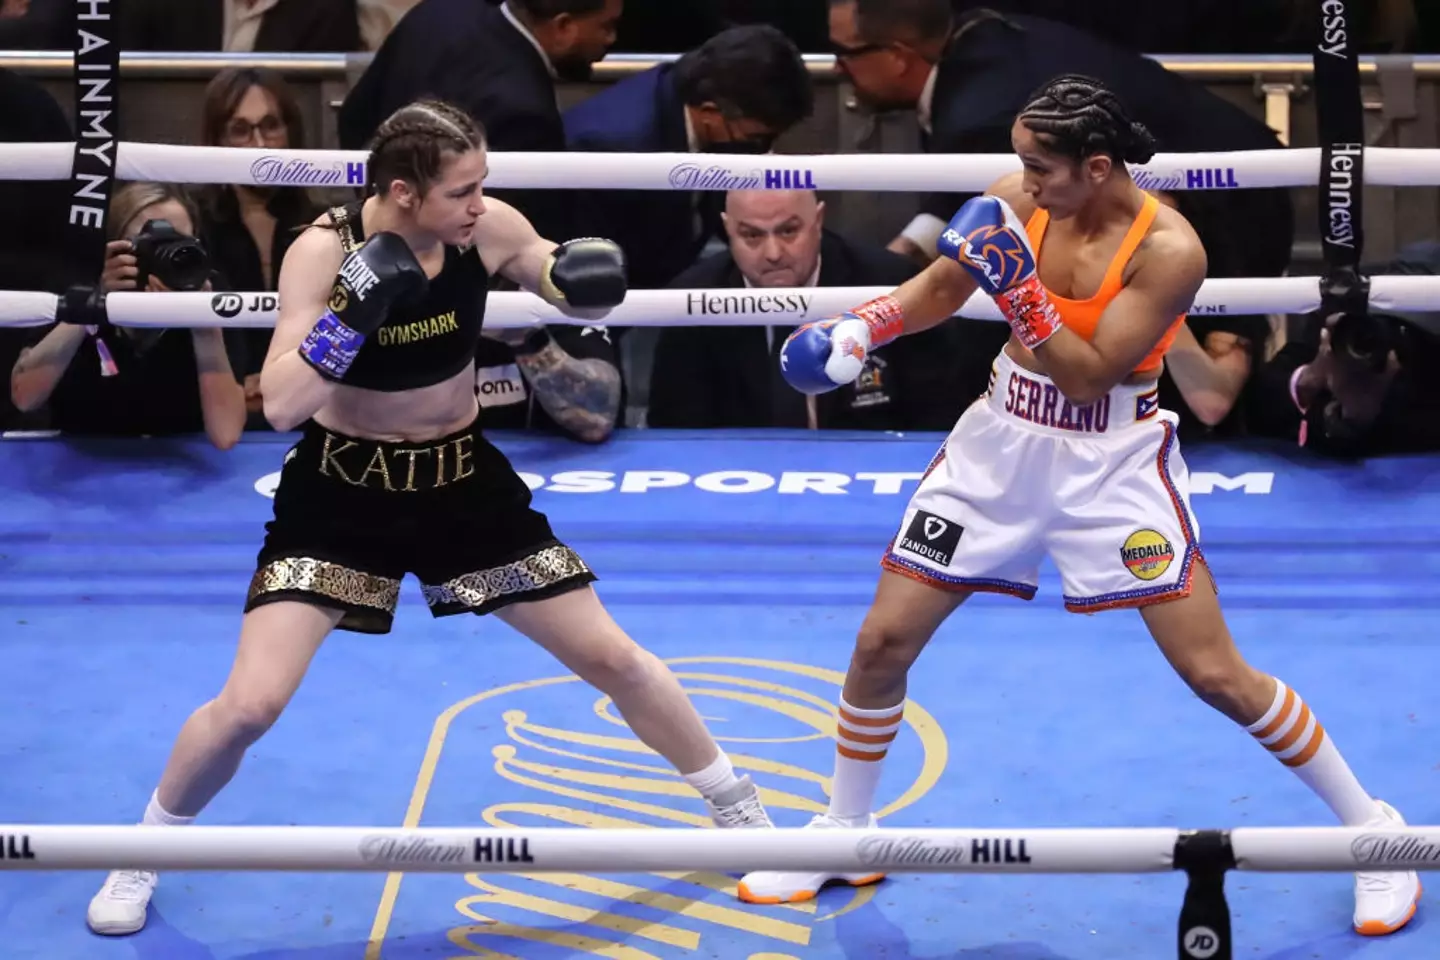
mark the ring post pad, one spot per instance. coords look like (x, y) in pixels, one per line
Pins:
(1205, 856)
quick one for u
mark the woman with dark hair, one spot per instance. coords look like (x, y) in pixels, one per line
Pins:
(1067, 455)
(248, 228)
(381, 308)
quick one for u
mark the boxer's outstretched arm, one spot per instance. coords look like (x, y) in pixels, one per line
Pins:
(934, 295)
(510, 247)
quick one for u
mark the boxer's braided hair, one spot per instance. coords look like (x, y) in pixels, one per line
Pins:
(412, 143)
(1078, 117)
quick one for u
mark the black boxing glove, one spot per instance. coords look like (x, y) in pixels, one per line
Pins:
(372, 279)
(585, 274)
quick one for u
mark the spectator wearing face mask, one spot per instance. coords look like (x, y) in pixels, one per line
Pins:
(729, 376)
(736, 93)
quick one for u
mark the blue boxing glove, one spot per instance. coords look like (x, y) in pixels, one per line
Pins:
(819, 357)
(989, 241)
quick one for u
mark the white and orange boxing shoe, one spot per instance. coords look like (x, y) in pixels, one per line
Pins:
(786, 887)
(1385, 902)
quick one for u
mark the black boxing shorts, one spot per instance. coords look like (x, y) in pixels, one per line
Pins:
(353, 516)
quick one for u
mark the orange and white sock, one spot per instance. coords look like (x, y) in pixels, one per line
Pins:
(862, 738)
(1292, 733)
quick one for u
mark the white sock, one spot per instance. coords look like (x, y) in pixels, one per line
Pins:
(158, 816)
(1292, 733)
(863, 737)
(715, 779)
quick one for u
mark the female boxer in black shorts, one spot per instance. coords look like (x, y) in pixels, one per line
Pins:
(381, 305)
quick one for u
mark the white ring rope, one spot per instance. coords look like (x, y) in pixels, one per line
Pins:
(722, 307)
(958, 173)
(578, 850)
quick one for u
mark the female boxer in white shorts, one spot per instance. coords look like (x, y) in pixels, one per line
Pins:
(381, 307)
(1068, 454)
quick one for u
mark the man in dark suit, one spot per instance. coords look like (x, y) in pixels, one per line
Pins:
(1183, 26)
(736, 93)
(730, 376)
(499, 63)
(967, 78)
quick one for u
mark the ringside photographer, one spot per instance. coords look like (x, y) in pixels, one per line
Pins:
(131, 382)
(1359, 385)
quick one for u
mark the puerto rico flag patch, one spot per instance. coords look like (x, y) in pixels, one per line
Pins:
(1147, 405)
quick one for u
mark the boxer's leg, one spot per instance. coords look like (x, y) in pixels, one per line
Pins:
(499, 555)
(1192, 634)
(1136, 543)
(903, 617)
(277, 643)
(905, 614)
(321, 566)
(970, 527)
(967, 529)
(577, 630)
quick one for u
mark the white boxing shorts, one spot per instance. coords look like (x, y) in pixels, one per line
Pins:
(1102, 490)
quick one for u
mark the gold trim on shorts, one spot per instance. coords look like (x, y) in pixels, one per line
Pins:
(322, 578)
(543, 568)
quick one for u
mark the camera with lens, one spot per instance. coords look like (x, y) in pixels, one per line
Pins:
(1366, 338)
(177, 260)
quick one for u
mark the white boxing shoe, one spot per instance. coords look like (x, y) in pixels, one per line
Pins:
(777, 887)
(119, 908)
(1385, 902)
(739, 807)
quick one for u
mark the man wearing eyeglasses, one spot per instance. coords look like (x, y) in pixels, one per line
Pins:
(966, 77)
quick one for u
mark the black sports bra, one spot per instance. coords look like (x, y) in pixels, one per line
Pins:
(426, 342)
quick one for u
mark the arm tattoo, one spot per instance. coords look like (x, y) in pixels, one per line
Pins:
(583, 396)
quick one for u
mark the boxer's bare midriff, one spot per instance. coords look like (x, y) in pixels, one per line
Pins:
(408, 416)
(1027, 360)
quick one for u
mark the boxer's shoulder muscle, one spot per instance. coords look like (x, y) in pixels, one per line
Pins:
(501, 225)
(1171, 242)
(502, 234)
(313, 258)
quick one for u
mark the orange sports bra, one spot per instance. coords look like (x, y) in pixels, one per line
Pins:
(1082, 316)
